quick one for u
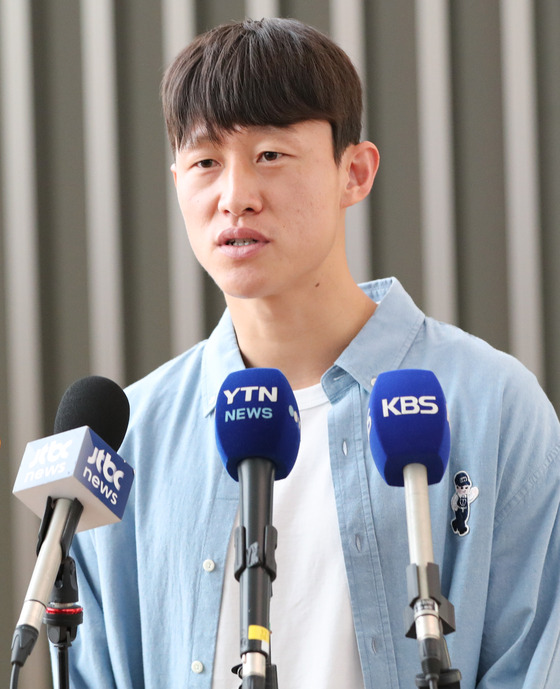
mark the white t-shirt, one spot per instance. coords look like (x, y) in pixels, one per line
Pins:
(313, 643)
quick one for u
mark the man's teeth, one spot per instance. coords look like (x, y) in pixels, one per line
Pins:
(241, 242)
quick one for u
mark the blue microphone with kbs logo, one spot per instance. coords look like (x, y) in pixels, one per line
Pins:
(409, 437)
(408, 425)
(258, 436)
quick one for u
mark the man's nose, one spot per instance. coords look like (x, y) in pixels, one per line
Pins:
(240, 193)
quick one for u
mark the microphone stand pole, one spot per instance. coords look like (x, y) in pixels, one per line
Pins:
(63, 616)
(255, 569)
(429, 615)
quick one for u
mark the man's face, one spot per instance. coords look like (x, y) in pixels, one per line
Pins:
(264, 208)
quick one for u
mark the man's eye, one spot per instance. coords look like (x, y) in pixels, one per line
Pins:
(271, 156)
(206, 163)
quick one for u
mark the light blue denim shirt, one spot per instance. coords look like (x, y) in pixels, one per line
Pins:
(151, 585)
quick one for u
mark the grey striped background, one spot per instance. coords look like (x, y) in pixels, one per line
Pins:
(463, 101)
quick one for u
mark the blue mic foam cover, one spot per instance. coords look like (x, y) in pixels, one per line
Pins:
(408, 424)
(257, 416)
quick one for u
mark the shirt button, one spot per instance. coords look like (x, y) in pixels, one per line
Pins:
(209, 565)
(197, 667)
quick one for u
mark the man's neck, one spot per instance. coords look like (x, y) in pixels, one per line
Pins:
(300, 335)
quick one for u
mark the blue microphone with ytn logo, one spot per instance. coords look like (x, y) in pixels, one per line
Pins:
(409, 437)
(80, 477)
(258, 435)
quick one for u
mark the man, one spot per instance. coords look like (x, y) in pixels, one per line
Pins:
(264, 123)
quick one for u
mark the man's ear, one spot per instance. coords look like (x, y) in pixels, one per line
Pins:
(361, 162)
(173, 169)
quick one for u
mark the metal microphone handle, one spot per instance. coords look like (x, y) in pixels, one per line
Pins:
(418, 521)
(46, 568)
(419, 528)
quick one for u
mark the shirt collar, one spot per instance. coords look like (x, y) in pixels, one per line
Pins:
(220, 358)
(381, 345)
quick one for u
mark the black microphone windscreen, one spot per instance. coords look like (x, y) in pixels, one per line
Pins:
(96, 402)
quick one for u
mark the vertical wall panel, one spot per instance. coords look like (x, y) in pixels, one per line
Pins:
(314, 12)
(256, 9)
(435, 138)
(210, 14)
(393, 127)
(102, 189)
(7, 508)
(143, 184)
(21, 327)
(521, 183)
(20, 262)
(59, 152)
(547, 15)
(479, 165)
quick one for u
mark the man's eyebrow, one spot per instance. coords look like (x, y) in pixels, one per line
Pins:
(199, 139)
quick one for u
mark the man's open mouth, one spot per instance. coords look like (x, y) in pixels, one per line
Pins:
(240, 242)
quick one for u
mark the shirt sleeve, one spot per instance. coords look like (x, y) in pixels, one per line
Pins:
(520, 642)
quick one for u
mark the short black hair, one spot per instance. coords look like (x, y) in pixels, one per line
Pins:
(271, 72)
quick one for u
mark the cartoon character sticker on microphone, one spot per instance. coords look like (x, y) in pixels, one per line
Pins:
(465, 493)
